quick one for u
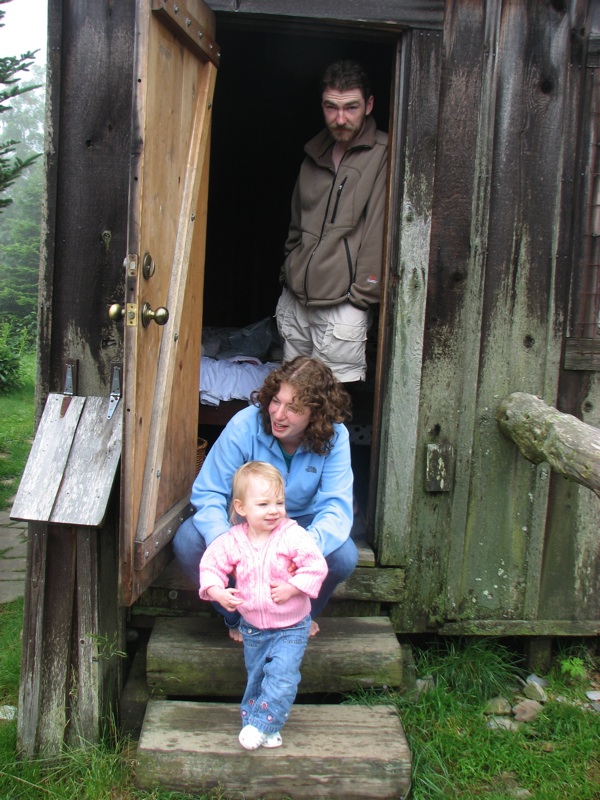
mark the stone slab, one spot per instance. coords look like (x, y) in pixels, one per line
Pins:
(11, 590)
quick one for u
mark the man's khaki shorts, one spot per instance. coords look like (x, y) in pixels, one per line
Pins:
(336, 335)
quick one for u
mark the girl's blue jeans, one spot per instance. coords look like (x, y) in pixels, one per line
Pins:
(273, 657)
(189, 547)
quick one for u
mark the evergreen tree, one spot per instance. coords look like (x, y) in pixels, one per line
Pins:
(22, 137)
(12, 165)
(20, 221)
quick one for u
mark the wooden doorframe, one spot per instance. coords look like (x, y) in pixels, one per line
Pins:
(387, 15)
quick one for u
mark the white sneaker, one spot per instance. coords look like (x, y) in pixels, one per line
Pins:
(251, 738)
(273, 740)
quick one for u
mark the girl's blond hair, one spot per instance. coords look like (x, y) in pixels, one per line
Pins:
(248, 472)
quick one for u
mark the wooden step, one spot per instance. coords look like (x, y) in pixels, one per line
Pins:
(329, 751)
(369, 586)
(194, 657)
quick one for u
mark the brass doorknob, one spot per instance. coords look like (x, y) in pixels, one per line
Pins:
(116, 312)
(159, 315)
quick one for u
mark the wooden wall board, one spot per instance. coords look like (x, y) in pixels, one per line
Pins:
(71, 469)
(55, 633)
(84, 232)
(413, 166)
(447, 360)
(47, 461)
(532, 166)
(84, 222)
(87, 644)
(495, 314)
(582, 354)
(32, 657)
(571, 544)
(91, 468)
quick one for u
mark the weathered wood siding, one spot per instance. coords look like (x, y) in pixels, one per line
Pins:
(84, 241)
(71, 599)
(495, 543)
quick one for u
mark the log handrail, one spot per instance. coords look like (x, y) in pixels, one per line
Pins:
(542, 433)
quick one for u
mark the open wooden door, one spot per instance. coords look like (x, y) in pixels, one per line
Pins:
(175, 66)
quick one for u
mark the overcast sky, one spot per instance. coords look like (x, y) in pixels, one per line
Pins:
(24, 28)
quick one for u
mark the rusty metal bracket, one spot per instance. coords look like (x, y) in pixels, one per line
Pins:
(186, 27)
(69, 384)
(115, 388)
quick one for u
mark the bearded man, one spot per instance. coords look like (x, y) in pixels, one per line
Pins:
(331, 275)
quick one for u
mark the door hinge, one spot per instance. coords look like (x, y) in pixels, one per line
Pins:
(69, 384)
(115, 388)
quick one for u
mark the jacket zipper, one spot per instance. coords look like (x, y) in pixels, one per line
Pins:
(337, 199)
(350, 269)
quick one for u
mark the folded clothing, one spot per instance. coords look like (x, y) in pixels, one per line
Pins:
(234, 379)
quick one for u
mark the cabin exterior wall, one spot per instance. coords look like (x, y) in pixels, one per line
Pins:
(480, 311)
(485, 249)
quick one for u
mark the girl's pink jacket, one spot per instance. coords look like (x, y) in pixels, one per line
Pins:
(256, 568)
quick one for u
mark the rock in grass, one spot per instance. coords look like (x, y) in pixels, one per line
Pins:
(527, 710)
(533, 678)
(498, 706)
(534, 691)
(7, 713)
(496, 723)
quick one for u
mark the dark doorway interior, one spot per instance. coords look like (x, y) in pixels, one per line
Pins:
(266, 106)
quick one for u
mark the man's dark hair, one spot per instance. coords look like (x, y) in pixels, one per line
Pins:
(345, 75)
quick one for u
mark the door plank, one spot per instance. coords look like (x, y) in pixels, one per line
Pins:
(189, 29)
(196, 165)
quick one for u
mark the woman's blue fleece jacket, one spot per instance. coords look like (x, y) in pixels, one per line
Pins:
(315, 485)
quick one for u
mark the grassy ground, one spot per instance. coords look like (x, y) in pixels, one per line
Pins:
(556, 757)
(16, 431)
(454, 755)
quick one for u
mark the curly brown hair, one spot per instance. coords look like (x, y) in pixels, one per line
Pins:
(317, 390)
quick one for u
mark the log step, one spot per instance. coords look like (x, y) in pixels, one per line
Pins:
(194, 657)
(329, 751)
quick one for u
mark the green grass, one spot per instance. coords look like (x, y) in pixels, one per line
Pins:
(102, 772)
(11, 622)
(555, 757)
(16, 432)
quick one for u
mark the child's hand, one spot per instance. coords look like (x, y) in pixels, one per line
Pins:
(280, 592)
(292, 569)
(226, 597)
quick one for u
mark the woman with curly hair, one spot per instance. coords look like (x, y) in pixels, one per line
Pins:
(296, 423)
